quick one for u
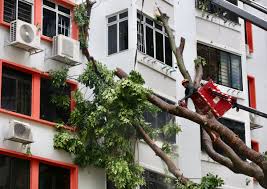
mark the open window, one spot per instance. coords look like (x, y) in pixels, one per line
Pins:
(48, 109)
(117, 32)
(17, 9)
(16, 91)
(153, 40)
(222, 67)
(56, 19)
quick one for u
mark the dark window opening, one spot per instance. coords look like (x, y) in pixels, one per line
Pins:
(222, 13)
(16, 91)
(51, 177)
(56, 19)
(112, 39)
(168, 52)
(157, 181)
(15, 173)
(117, 33)
(159, 47)
(48, 110)
(159, 120)
(222, 67)
(149, 41)
(17, 10)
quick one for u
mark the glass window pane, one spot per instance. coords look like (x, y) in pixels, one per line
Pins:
(112, 19)
(123, 15)
(159, 47)
(149, 41)
(48, 110)
(51, 177)
(149, 21)
(236, 72)
(63, 25)
(25, 12)
(112, 39)
(16, 91)
(224, 69)
(15, 173)
(9, 10)
(64, 10)
(168, 52)
(49, 4)
(140, 37)
(49, 23)
(123, 35)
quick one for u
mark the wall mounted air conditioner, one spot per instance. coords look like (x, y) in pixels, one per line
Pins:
(24, 35)
(66, 50)
(19, 132)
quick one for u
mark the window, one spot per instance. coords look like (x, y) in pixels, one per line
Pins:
(222, 67)
(51, 177)
(159, 120)
(152, 39)
(117, 33)
(17, 9)
(252, 92)
(15, 173)
(156, 181)
(16, 91)
(56, 19)
(224, 14)
(48, 110)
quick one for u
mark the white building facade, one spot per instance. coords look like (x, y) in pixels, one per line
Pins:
(120, 32)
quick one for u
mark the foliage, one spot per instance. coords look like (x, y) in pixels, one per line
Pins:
(200, 61)
(210, 181)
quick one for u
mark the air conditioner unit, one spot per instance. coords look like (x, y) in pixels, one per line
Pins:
(20, 132)
(24, 35)
(255, 121)
(66, 50)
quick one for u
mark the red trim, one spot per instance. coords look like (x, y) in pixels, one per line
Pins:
(249, 36)
(252, 92)
(34, 177)
(0, 81)
(34, 169)
(255, 145)
(47, 39)
(38, 12)
(36, 85)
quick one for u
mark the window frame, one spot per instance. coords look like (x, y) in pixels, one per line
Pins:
(143, 24)
(58, 12)
(34, 167)
(117, 23)
(229, 71)
(35, 99)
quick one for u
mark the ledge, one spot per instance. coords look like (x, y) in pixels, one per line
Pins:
(38, 120)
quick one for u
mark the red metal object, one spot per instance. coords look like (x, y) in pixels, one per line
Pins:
(210, 98)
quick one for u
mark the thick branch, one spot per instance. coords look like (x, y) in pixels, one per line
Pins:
(198, 75)
(178, 51)
(170, 164)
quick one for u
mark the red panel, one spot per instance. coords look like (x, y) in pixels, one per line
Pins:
(252, 92)
(249, 36)
(206, 100)
(34, 177)
(255, 145)
(36, 85)
(38, 12)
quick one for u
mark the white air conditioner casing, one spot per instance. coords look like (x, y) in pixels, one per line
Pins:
(66, 50)
(24, 35)
(19, 132)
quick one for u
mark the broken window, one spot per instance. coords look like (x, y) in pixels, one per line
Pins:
(48, 109)
(117, 33)
(153, 40)
(222, 67)
(17, 9)
(56, 19)
(16, 91)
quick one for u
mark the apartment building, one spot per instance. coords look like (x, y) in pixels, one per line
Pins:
(121, 31)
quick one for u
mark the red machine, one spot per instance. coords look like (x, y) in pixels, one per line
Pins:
(210, 98)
